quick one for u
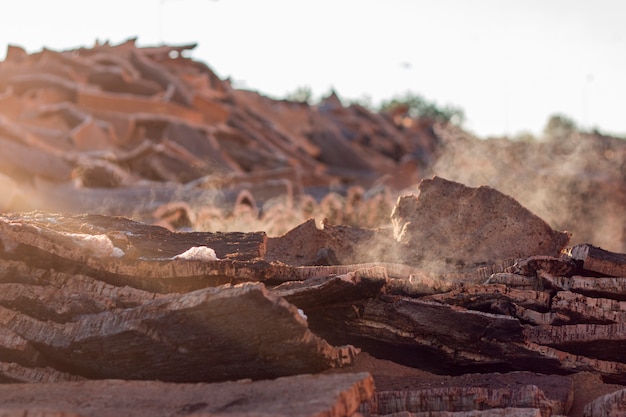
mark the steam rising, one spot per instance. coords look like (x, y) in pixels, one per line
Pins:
(575, 183)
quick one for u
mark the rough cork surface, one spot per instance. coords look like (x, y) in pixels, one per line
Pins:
(449, 225)
(301, 396)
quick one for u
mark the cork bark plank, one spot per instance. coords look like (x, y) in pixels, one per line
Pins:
(599, 287)
(215, 334)
(124, 252)
(47, 294)
(598, 260)
(295, 396)
(517, 401)
(608, 405)
(452, 226)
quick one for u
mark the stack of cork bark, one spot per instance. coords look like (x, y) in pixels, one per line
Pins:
(203, 280)
(488, 299)
(118, 129)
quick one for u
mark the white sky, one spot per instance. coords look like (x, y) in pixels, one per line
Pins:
(508, 64)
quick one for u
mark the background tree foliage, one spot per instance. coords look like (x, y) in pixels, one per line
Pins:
(418, 107)
(302, 94)
(559, 126)
(414, 105)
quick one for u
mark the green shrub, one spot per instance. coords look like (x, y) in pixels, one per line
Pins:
(418, 107)
(559, 126)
